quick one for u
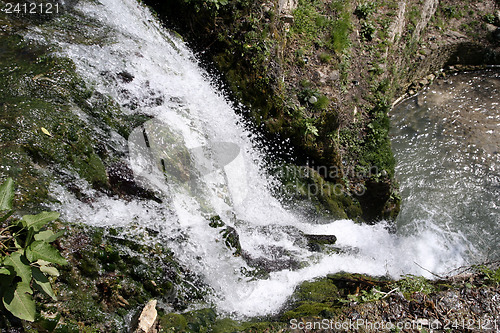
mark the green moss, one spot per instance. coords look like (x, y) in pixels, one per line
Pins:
(92, 169)
(322, 290)
(308, 309)
(200, 320)
(313, 299)
(172, 322)
(303, 184)
(226, 325)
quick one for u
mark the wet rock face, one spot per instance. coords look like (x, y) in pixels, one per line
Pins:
(315, 242)
(53, 126)
(276, 259)
(111, 279)
(123, 182)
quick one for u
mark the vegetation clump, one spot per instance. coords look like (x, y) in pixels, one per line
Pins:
(26, 256)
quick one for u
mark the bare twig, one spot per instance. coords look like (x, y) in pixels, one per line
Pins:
(425, 269)
(384, 293)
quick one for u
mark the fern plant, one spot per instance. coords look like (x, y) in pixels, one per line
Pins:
(26, 256)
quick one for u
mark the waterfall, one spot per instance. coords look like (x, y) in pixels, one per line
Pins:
(212, 169)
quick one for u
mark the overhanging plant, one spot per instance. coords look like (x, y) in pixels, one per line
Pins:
(26, 256)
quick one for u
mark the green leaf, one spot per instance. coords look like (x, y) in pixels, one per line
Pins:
(17, 244)
(21, 266)
(41, 262)
(6, 194)
(19, 303)
(38, 221)
(42, 283)
(5, 271)
(44, 267)
(52, 271)
(48, 236)
(43, 250)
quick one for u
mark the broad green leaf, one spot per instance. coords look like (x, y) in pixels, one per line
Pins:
(21, 266)
(24, 287)
(19, 303)
(45, 251)
(4, 271)
(45, 268)
(42, 262)
(48, 235)
(52, 271)
(6, 194)
(42, 283)
(29, 237)
(38, 221)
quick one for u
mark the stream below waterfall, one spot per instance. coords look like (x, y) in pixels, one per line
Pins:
(447, 144)
(449, 174)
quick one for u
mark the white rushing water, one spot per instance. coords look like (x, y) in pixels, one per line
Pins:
(169, 85)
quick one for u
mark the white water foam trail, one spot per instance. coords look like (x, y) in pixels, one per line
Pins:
(163, 67)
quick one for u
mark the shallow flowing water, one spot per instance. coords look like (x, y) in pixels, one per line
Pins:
(447, 144)
(193, 121)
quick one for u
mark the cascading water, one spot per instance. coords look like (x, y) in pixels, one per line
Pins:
(158, 76)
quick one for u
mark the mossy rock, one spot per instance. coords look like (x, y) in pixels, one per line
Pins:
(51, 123)
(306, 185)
(313, 298)
(200, 320)
(173, 322)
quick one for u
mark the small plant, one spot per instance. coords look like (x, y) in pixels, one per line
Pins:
(321, 103)
(452, 12)
(489, 18)
(26, 256)
(325, 57)
(490, 276)
(310, 128)
(410, 284)
(367, 30)
(364, 10)
(340, 31)
(365, 296)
